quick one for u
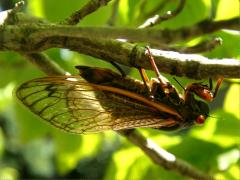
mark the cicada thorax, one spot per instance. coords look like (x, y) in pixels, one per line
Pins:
(169, 96)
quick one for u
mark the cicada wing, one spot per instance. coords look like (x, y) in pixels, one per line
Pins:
(75, 106)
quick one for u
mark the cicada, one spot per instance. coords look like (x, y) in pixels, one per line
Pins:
(100, 99)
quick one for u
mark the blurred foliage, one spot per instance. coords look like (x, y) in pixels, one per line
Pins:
(31, 149)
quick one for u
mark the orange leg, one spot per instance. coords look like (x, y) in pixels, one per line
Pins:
(155, 69)
(150, 84)
(144, 76)
(166, 86)
(219, 82)
(203, 91)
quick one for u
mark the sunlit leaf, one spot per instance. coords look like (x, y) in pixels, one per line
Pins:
(228, 124)
(123, 11)
(227, 9)
(232, 100)
(9, 173)
(193, 12)
(200, 153)
(71, 149)
(231, 173)
(6, 96)
(230, 47)
(2, 144)
(226, 159)
(122, 161)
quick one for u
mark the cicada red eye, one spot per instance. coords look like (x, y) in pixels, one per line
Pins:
(200, 119)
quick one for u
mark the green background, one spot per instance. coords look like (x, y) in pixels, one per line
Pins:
(30, 148)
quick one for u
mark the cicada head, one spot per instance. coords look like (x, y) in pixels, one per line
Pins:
(202, 112)
(201, 90)
(194, 111)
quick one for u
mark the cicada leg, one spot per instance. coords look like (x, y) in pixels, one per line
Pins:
(161, 79)
(144, 76)
(163, 82)
(203, 91)
(151, 85)
(219, 82)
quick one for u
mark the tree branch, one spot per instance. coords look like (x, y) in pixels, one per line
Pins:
(203, 46)
(44, 63)
(149, 35)
(157, 19)
(89, 8)
(43, 29)
(22, 39)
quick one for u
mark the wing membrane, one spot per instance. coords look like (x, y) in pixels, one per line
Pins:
(76, 106)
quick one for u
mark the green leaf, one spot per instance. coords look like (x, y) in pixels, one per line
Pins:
(2, 144)
(227, 9)
(132, 164)
(230, 47)
(228, 124)
(6, 96)
(72, 148)
(54, 10)
(193, 12)
(232, 101)
(38, 155)
(31, 126)
(221, 128)
(226, 159)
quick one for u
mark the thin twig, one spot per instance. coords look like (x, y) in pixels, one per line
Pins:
(89, 8)
(155, 10)
(113, 16)
(149, 35)
(157, 19)
(44, 63)
(203, 46)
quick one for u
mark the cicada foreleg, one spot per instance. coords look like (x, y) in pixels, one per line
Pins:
(151, 85)
(219, 82)
(161, 81)
(145, 78)
(203, 91)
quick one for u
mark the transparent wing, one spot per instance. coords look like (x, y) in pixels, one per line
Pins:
(73, 105)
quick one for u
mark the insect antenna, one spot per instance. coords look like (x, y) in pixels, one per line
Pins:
(210, 84)
(211, 116)
(179, 84)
